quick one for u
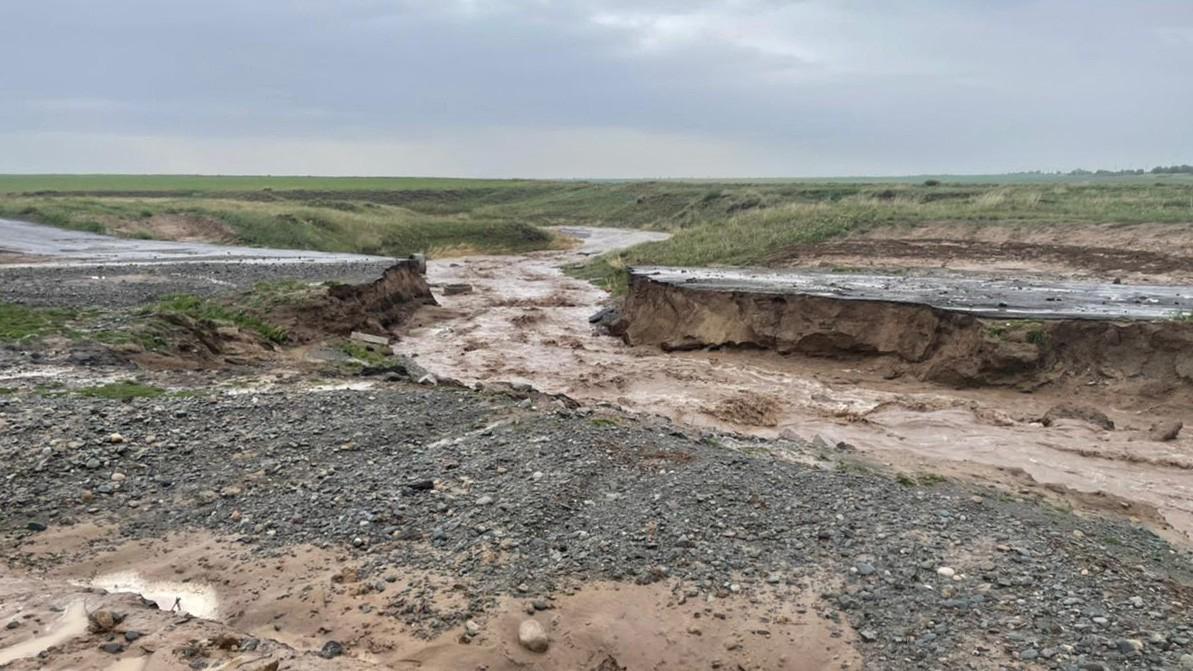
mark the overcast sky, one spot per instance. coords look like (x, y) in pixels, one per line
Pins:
(594, 88)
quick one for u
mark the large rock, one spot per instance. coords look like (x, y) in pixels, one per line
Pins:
(532, 636)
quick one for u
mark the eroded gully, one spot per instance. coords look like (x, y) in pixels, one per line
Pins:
(525, 321)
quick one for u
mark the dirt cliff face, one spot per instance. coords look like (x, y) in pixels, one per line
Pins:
(381, 305)
(673, 317)
(939, 345)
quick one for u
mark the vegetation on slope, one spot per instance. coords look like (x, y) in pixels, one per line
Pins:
(770, 233)
(365, 228)
(725, 223)
(19, 322)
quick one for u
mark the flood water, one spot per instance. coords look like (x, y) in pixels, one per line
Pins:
(525, 321)
(194, 598)
(72, 623)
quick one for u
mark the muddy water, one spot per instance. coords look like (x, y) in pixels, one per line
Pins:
(197, 599)
(72, 623)
(306, 596)
(527, 322)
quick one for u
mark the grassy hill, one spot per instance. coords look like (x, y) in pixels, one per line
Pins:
(731, 222)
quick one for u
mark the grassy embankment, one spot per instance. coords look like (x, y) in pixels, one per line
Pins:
(366, 228)
(19, 322)
(772, 232)
(714, 223)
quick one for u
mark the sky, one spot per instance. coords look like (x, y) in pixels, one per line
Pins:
(594, 88)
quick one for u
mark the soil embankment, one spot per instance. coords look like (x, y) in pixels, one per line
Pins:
(1140, 253)
(676, 310)
(378, 307)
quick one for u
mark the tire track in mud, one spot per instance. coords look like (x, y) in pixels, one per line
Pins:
(526, 322)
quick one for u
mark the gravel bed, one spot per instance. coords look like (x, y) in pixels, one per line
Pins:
(939, 576)
(128, 285)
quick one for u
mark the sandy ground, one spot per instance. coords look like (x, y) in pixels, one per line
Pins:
(296, 601)
(526, 322)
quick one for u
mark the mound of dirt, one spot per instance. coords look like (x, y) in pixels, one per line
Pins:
(378, 307)
(179, 227)
(1149, 357)
(201, 343)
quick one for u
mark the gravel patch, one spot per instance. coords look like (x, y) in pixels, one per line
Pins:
(128, 285)
(525, 500)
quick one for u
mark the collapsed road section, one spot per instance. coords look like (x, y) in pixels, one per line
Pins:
(962, 330)
(984, 296)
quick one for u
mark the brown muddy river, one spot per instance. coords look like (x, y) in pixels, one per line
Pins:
(525, 321)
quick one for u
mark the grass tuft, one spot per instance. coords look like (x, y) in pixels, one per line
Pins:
(365, 354)
(198, 308)
(19, 322)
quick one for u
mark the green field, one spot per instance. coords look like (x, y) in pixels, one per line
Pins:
(209, 183)
(218, 183)
(765, 225)
(731, 222)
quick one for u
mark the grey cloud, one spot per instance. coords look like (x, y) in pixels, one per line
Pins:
(765, 87)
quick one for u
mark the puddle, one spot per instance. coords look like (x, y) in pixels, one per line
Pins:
(72, 623)
(194, 598)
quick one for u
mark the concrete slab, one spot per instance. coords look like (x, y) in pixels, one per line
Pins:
(978, 295)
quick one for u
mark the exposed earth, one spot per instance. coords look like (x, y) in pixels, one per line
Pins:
(1140, 254)
(525, 322)
(586, 504)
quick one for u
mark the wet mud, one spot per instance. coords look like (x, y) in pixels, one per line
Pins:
(243, 609)
(525, 322)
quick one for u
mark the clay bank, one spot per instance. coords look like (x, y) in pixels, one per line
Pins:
(955, 329)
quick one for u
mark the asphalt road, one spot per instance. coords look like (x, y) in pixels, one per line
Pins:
(981, 296)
